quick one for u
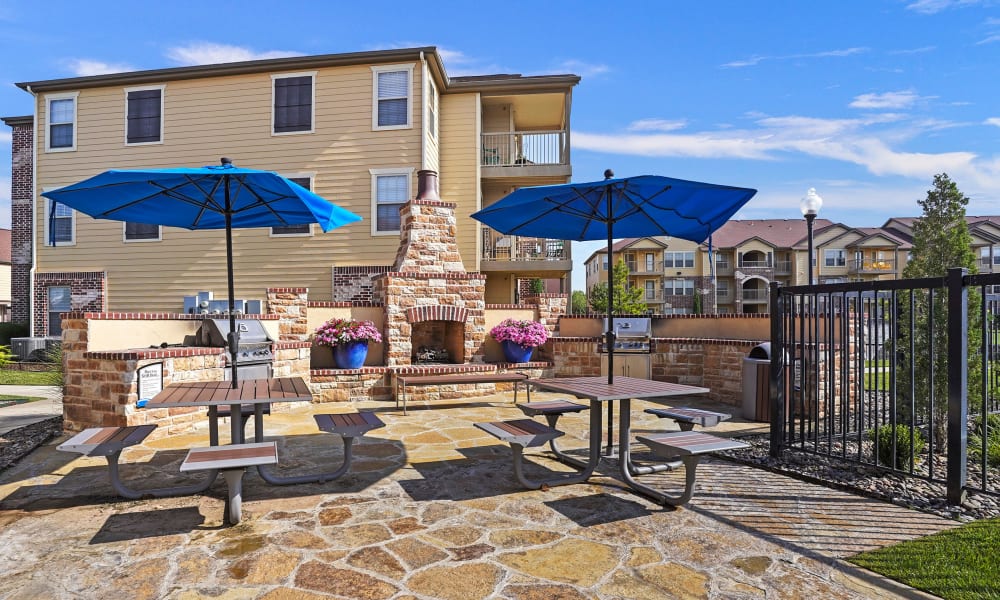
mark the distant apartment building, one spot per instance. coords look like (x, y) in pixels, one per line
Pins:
(677, 276)
(355, 128)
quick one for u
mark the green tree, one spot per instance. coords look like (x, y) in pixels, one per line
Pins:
(941, 241)
(537, 286)
(578, 303)
(628, 300)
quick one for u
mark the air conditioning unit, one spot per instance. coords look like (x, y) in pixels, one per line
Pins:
(22, 348)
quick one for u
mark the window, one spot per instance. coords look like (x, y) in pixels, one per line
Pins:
(432, 109)
(650, 264)
(293, 103)
(722, 289)
(141, 232)
(677, 310)
(143, 115)
(604, 262)
(390, 190)
(678, 260)
(650, 290)
(62, 122)
(834, 257)
(59, 224)
(391, 108)
(679, 287)
(304, 229)
(59, 302)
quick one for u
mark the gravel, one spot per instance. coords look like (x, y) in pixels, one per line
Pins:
(17, 443)
(911, 492)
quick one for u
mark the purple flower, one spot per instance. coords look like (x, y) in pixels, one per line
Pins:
(523, 333)
(341, 331)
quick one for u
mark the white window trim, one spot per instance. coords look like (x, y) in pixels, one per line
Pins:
(408, 171)
(163, 94)
(45, 217)
(158, 238)
(312, 104)
(434, 105)
(75, 96)
(409, 96)
(311, 176)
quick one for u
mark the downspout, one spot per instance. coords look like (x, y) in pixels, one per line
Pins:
(34, 214)
(423, 111)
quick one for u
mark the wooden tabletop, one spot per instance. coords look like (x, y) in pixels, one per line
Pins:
(247, 391)
(597, 388)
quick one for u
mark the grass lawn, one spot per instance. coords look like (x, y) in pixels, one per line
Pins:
(30, 378)
(960, 564)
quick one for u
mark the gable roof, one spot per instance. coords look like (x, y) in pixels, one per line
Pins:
(781, 233)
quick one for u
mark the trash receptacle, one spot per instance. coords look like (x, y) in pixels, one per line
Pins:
(757, 383)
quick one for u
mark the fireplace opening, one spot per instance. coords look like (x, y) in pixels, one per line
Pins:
(438, 342)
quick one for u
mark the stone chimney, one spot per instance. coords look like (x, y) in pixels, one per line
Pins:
(427, 232)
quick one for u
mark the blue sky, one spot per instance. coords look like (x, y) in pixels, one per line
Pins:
(864, 100)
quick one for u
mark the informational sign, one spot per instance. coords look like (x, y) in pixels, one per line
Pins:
(150, 382)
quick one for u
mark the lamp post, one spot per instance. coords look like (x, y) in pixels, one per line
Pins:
(810, 206)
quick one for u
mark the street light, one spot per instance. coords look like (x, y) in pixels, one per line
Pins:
(810, 206)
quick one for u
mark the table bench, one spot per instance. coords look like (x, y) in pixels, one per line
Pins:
(552, 410)
(690, 446)
(109, 443)
(457, 379)
(521, 434)
(233, 461)
(687, 418)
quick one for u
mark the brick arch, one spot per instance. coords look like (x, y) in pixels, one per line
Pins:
(419, 314)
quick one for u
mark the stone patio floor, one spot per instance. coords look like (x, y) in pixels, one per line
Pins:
(431, 509)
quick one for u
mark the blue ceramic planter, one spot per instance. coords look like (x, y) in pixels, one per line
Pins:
(515, 352)
(350, 355)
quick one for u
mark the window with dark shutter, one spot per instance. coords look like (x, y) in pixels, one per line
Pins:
(144, 116)
(304, 229)
(293, 104)
(141, 231)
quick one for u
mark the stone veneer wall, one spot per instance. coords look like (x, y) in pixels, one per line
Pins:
(291, 305)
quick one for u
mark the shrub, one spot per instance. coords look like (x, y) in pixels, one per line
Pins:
(12, 330)
(883, 438)
(5, 355)
(992, 423)
(341, 331)
(523, 333)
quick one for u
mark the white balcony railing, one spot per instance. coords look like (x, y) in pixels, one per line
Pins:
(524, 148)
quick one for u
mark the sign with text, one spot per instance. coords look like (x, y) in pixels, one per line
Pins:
(150, 381)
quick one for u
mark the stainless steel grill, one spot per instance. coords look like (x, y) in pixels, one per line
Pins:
(254, 355)
(632, 335)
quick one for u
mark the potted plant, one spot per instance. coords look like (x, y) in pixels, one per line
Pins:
(519, 338)
(348, 339)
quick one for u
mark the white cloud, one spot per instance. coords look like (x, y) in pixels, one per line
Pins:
(581, 68)
(5, 202)
(208, 53)
(875, 143)
(989, 39)
(920, 50)
(930, 7)
(993, 121)
(755, 60)
(657, 125)
(83, 67)
(6, 137)
(887, 100)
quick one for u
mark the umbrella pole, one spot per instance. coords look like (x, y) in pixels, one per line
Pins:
(234, 336)
(610, 333)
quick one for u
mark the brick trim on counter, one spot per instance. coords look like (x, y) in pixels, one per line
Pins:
(126, 316)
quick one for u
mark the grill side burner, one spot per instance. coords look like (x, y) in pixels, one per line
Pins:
(254, 354)
(633, 335)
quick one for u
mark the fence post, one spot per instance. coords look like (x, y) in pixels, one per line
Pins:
(777, 377)
(958, 384)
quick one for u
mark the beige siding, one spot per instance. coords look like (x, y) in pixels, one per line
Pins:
(459, 179)
(5, 283)
(205, 119)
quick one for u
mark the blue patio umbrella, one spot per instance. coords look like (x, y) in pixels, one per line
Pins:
(641, 206)
(212, 197)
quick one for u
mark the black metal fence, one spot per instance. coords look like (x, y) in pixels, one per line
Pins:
(902, 375)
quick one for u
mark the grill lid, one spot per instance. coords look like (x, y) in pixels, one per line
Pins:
(214, 332)
(631, 327)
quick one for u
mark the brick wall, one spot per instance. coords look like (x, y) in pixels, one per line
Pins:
(355, 284)
(88, 293)
(22, 162)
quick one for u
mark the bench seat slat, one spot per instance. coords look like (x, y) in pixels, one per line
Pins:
(523, 432)
(105, 441)
(696, 416)
(230, 457)
(689, 443)
(348, 424)
(551, 407)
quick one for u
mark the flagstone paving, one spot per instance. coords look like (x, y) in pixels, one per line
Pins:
(431, 509)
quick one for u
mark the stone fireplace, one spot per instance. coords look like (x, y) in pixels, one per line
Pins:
(428, 297)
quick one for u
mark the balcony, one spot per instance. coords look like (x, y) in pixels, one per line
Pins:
(754, 264)
(642, 268)
(525, 153)
(878, 266)
(754, 295)
(516, 253)
(723, 268)
(783, 267)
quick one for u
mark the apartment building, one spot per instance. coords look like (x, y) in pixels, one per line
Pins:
(355, 128)
(677, 275)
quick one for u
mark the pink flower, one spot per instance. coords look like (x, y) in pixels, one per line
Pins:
(341, 331)
(524, 333)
